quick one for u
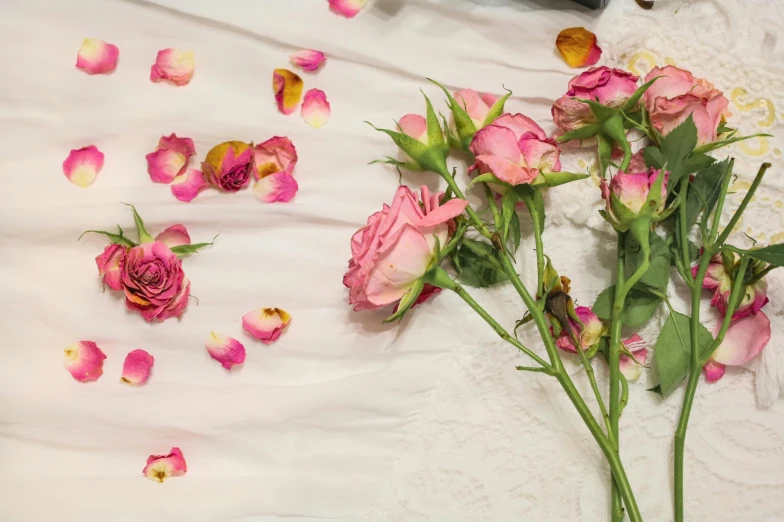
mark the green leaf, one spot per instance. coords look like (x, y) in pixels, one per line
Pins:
(435, 136)
(671, 353)
(658, 274)
(477, 264)
(653, 157)
(723, 128)
(639, 306)
(508, 202)
(465, 126)
(144, 237)
(120, 239)
(413, 167)
(676, 147)
(605, 155)
(656, 389)
(408, 299)
(553, 179)
(721, 143)
(496, 109)
(773, 254)
(514, 232)
(190, 249)
(698, 161)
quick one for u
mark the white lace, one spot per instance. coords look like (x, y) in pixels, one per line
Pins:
(492, 444)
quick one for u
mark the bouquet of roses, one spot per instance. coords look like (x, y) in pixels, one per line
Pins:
(665, 201)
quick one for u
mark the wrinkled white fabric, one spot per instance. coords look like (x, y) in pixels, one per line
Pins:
(344, 418)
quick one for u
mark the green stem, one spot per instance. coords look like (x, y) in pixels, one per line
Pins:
(539, 252)
(760, 275)
(614, 361)
(493, 206)
(725, 184)
(683, 234)
(472, 215)
(594, 386)
(746, 200)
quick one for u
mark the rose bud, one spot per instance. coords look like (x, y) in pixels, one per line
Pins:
(228, 165)
(631, 196)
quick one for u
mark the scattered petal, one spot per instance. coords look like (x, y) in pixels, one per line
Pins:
(161, 467)
(578, 47)
(110, 264)
(173, 66)
(175, 235)
(744, 340)
(347, 8)
(96, 56)
(277, 154)
(137, 366)
(170, 158)
(713, 370)
(315, 108)
(82, 166)
(266, 324)
(278, 187)
(228, 165)
(84, 360)
(225, 350)
(308, 59)
(631, 367)
(288, 90)
(187, 186)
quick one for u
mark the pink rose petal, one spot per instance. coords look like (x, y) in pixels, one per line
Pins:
(714, 371)
(744, 340)
(175, 235)
(278, 187)
(308, 59)
(225, 350)
(110, 264)
(173, 66)
(170, 158)
(277, 154)
(315, 108)
(137, 366)
(347, 8)
(84, 360)
(161, 467)
(82, 166)
(186, 187)
(631, 367)
(266, 324)
(97, 57)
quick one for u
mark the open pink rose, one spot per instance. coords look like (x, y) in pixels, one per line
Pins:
(515, 149)
(676, 95)
(397, 246)
(627, 196)
(589, 334)
(745, 339)
(154, 283)
(228, 165)
(476, 104)
(611, 87)
(717, 278)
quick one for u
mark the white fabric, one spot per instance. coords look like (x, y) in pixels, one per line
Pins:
(345, 418)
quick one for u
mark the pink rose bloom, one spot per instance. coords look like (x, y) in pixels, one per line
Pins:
(476, 104)
(589, 334)
(397, 246)
(717, 278)
(745, 339)
(228, 165)
(515, 149)
(627, 196)
(676, 95)
(610, 87)
(154, 283)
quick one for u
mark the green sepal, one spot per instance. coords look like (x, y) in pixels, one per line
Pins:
(408, 165)
(144, 236)
(553, 179)
(487, 178)
(465, 126)
(497, 109)
(435, 135)
(721, 143)
(407, 300)
(613, 128)
(440, 278)
(428, 158)
(119, 239)
(605, 154)
(631, 103)
(583, 133)
(508, 203)
(194, 248)
(600, 112)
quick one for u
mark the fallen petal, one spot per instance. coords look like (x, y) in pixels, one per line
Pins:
(266, 324)
(137, 366)
(315, 108)
(187, 186)
(175, 235)
(744, 340)
(84, 360)
(82, 166)
(161, 467)
(347, 8)
(288, 90)
(97, 57)
(308, 59)
(278, 187)
(174, 66)
(170, 158)
(578, 47)
(277, 154)
(225, 350)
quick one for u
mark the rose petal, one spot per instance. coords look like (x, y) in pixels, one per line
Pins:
(631, 367)
(225, 350)
(177, 305)
(744, 340)
(187, 186)
(173, 66)
(415, 126)
(315, 108)
(82, 166)
(110, 263)
(266, 324)
(578, 47)
(713, 370)
(136, 368)
(401, 261)
(175, 235)
(308, 59)
(170, 158)
(278, 187)
(84, 360)
(277, 154)
(347, 8)
(161, 467)
(97, 57)
(500, 142)
(287, 87)
(540, 154)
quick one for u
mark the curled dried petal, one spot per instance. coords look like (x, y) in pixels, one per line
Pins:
(288, 90)
(161, 467)
(97, 57)
(308, 59)
(226, 350)
(266, 324)
(173, 66)
(137, 366)
(578, 47)
(84, 360)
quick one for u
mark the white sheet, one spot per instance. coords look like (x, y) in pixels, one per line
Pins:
(312, 427)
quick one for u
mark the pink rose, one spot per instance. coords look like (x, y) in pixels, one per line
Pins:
(397, 247)
(476, 104)
(717, 278)
(610, 87)
(515, 149)
(589, 334)
(627, 196)
(228, 165)
(154, 282)
(676, 95)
